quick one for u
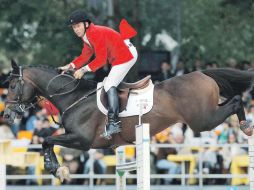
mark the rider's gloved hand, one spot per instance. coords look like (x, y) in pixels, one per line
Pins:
(80, 72)
(66, 68)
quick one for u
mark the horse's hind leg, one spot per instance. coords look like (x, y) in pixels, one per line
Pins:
(219, 116)
(244, 124)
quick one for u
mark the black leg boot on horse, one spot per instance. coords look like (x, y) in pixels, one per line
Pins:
(245, 126)
(50, 161)
(112, 126)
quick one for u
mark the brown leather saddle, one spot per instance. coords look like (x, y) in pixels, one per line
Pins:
(124, 91)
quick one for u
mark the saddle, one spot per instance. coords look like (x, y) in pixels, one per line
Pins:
(124, 89)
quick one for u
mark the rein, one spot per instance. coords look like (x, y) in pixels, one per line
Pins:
(63, 93)
(22, 106)
(79, 100)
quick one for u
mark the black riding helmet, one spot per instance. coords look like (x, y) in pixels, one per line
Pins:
(77, 16)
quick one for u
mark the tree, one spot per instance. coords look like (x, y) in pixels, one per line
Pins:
(218, 29)
(34, 32)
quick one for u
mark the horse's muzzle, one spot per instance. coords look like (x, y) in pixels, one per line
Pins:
(10, 113)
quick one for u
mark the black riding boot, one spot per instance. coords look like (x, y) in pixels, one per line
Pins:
(113, 126)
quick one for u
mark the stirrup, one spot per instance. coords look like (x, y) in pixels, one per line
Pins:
(107, 134)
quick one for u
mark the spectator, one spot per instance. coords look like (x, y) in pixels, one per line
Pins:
(231, 151)
(212, 65)
(5, 132)
(180, 68)
(246, 65)
(98, 163)
(198, 65)
(36, 115)
(72, 159)
(224, 131)
(209, 157)
(164, 73)
(42, 130)
(250, 115)
(163, 163)
(232, 63)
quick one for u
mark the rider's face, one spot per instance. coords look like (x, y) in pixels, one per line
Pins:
(79, 29)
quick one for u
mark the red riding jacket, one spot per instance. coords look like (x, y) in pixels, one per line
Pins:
(107, 44)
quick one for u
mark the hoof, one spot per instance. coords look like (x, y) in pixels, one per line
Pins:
(246, 128)
(63, 173)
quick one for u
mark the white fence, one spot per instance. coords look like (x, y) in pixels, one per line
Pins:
(183, 176)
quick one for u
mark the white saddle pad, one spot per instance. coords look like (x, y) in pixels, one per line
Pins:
(139, 101)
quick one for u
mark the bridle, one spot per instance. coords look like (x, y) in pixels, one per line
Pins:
(21, 107)
(18, 104)
(21, 84)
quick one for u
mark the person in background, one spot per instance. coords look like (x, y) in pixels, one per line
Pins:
(31, 121)
(164, 73)
(212, 65)
(5, 131)
(97, 162)
(163, 163)
(72, 159)
(42, 130)
(198, 65)
(180, 68)
(232, 63)
(229, 152)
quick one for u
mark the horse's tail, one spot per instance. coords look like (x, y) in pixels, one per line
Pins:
(231, 81)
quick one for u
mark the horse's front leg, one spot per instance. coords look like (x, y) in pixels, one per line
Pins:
(50, 161)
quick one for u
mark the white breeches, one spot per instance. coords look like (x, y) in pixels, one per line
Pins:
(118, 72)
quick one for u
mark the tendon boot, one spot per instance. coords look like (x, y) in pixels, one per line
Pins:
(112, 126)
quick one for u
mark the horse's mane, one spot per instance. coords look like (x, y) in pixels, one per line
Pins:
(84, 83)
(41, 66)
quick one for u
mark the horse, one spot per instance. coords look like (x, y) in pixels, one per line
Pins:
(192, 99)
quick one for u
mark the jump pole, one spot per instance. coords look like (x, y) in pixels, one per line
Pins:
(2, 176)
(251, 164)
(143, 156)
(142, 163)
(5, 148)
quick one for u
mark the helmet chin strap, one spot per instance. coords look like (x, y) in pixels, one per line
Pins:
(86, 27)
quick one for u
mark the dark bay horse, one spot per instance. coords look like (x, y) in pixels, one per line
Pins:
(192, 99)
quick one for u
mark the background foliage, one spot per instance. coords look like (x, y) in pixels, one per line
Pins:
(34, 32)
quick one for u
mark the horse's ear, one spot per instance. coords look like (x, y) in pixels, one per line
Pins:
(14, 65)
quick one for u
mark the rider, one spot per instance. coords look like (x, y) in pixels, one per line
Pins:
(107, 45)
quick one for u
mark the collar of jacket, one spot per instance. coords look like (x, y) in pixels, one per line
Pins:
(88, 34)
